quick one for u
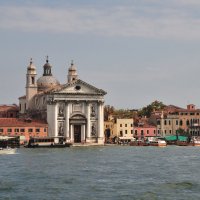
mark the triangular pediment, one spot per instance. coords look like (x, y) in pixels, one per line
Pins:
(79, 87)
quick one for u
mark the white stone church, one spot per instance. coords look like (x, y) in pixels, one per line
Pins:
(74, 111)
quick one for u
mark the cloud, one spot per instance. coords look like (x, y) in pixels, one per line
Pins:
(149, 21)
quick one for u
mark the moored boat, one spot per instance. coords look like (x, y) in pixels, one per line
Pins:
(195, 141)
(158, 143)
(47, 142)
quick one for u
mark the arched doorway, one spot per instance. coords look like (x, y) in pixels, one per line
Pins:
(78, 127)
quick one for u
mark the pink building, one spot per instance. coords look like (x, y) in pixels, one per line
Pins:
(144, 131)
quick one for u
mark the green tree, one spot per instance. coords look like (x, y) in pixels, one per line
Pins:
(154, 106)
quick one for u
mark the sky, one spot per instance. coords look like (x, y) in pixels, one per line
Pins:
(137, 51)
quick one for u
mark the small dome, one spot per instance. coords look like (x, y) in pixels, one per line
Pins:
(47, 82)
(31, 66)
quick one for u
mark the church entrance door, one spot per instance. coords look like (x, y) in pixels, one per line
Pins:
(77, 133)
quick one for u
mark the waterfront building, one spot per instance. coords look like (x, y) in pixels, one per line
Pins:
(9, 111)
(25, 128)
(73, 110)
(119, 128)
(143, 129)
(176, 120)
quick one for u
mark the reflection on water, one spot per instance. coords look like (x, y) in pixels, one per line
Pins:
(101, 173)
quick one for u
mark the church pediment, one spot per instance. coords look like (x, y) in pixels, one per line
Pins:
(80, 87)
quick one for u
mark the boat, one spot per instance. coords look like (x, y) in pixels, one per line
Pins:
(47, 142)
(7, 150)
(158, 143)
(195, 141)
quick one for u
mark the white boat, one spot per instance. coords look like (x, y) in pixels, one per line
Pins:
(7, 151)
(158, 143)
(195, 141)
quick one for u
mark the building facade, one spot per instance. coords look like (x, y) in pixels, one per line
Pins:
(73, 110)
(119, 128)
(23, 128)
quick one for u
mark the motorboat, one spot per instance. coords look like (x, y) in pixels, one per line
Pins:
(158, 143)
(7, 150)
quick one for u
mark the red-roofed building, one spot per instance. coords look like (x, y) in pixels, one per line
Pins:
(9, 111)
(23, 128)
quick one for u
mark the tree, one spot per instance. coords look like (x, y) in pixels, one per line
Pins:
(154, 106)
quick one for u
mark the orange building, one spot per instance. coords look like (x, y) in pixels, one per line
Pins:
(25, 128)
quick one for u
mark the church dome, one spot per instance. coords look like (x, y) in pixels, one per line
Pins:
(47, 81)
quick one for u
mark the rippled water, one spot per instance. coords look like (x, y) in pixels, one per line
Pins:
(92, 173)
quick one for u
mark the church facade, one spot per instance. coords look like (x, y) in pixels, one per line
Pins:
(74, 111)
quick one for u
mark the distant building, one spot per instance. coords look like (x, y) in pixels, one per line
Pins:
(73, 110)
(9, 111)
(143, 129)
(172, 121)
(118, 128)
(23, 128)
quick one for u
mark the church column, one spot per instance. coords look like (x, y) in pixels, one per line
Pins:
(83, 133)
(72, 133)
(67, 122)
(88, 137)
(100, 123)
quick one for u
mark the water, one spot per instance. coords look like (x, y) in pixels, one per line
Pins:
(108, 173)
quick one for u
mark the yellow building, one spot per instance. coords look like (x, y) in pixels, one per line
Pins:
(119, 128)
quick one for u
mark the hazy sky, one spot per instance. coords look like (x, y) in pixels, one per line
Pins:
(136, 50)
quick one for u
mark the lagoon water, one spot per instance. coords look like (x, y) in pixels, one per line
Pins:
(107, 173)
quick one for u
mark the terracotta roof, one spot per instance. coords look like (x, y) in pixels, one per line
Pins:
(5, 108)
(16, 122)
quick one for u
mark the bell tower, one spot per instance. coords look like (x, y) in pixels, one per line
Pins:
(31, 85)
(72, 73)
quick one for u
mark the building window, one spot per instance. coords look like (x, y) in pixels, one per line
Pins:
(165, 122)
(154, 131)
(131, 131)
(188, 122)
(9, 130)
(165, 131)
(158, 131)
(30, 130)
(135, 132)
(126, 131)
(158, 122)
(22, 130)
(147, 131)
(37, 130)
(131, 125)
(142, 132)
(176, 122)
(169, 122)
(181, 123)
(20, 107)
(121, 133)
(125, 125)
(33, 80)
(17, 130)
(170, 131)
(120, 125)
